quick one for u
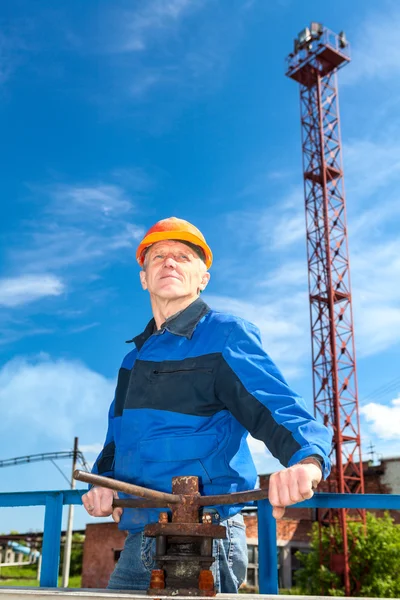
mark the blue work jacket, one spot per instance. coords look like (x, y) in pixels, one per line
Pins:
(186, 398)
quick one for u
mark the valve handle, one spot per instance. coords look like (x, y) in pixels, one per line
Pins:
(156, 499)
(127, 488)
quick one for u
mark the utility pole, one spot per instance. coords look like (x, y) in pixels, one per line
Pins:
(68, 534)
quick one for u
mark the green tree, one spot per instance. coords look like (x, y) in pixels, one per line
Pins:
(374, 560)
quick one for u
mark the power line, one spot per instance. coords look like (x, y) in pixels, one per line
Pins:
(51, 456)
(382, 390)
(19, 460)
(81, 458)
(58, 469)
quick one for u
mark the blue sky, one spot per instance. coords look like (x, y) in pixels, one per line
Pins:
(117, 114)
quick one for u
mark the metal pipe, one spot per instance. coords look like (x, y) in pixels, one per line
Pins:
(235, 498)
(127, 488)
(131, 503)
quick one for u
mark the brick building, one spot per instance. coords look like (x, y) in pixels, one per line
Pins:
(103, 545)
(294, 529)
(103, 541)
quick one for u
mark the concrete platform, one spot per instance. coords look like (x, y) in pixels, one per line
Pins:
(26, 593)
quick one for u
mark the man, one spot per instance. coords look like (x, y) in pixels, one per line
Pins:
(196, 382)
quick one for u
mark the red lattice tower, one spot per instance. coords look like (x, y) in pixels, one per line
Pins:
(317, 56)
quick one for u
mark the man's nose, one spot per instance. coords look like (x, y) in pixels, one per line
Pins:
(170, 261)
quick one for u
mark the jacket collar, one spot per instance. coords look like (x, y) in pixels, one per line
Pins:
(182, 323)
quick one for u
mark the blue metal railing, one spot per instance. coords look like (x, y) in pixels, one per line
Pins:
(267, 555)
(53, 501)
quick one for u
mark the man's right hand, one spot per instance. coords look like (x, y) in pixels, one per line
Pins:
(99, 503)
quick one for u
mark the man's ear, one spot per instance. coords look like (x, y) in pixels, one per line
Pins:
(205, 278)
(143, 281)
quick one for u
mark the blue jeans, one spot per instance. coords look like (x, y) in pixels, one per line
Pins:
(133, 569)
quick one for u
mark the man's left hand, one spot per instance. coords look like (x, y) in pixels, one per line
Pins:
(292, 485)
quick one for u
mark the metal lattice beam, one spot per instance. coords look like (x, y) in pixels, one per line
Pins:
(314, 66)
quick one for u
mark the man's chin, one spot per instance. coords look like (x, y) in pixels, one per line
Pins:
(170, 292)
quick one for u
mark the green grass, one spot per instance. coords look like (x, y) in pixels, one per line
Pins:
(26, 577)
(74, 582)
(28, 571)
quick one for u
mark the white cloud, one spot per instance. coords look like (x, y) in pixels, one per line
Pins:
(83, 328)
(376, 299)
(11, 334)
(273, 228)
(182, 46)
(88, 201)
(12, 47)
(133, 178)
(260, 182)
(288, 275)
(384, 419)
(142, 85)
(370, 165)
(21, 290)
(289, 230)
(281, 323)
(375, 47)
(5, 69)
(276, 238)
(149, 20)
(68, 246)
(91, 448)
(52, 401)
(80, 224)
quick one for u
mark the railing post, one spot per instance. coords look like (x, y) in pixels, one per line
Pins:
(267, 550)
(51, 540)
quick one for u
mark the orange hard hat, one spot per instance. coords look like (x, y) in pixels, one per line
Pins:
(174, 229)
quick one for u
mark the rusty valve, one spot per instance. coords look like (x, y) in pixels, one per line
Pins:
(183, 545)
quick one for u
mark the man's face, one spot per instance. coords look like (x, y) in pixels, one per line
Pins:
(173, 270)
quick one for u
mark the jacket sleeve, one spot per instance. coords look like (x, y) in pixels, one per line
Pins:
(104, 464)
(252, 388)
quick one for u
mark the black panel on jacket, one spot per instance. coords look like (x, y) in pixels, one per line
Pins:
(253, 415)
(120, 392)
(105, 462)
(183, 386)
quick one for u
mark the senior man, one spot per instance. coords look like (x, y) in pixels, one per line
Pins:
(196, 382)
